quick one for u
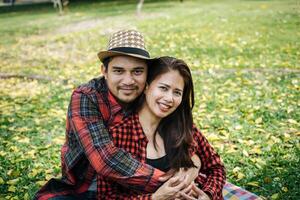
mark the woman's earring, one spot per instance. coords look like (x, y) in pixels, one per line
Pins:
(146, 88)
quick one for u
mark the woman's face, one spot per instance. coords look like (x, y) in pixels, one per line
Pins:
(164, 94)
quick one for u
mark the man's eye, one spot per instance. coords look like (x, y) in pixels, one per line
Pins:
(138, 72)
(117, 71)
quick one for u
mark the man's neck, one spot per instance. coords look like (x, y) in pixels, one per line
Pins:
(127, 107)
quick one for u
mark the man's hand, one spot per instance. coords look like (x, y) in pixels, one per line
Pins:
(169, 174)
(192, 192)
(170, 189)
(191, 173)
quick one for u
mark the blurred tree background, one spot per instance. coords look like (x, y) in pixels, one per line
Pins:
(244, 56)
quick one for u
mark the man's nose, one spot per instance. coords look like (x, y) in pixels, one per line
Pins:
(128, 79)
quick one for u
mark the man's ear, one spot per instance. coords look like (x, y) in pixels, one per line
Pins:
(104, 71)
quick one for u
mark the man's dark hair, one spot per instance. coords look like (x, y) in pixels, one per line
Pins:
(108, 59)
(106, 62)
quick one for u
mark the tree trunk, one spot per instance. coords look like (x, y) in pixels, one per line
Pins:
(61, 5)
(139, 7)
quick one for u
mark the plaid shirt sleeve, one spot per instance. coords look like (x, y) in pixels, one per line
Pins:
(211, 167)
(137, 197)
(107, 160)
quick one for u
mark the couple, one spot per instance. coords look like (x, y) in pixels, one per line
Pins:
(130, 133)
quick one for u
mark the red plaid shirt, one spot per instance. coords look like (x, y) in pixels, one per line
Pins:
(89, 149)
(129, 135)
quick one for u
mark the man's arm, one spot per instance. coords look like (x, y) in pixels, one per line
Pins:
(211, 166)
(107, 160)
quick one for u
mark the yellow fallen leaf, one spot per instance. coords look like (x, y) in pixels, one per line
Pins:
(213, 137)
(16, 138)
(24, 140)
(59, 141)
(260, 130)
(26, 196)
(267, 180)
(258, 165)
(275, 196)
(260, 161)
(241, 141)
(275, 139)
(14, 149)
(231, 150)
(292, 121)
(12, 188)
(245, 153)
(289, 110)
(41, 183)
(13, 181)
(34, 172)
(256, 150)
(9, 172)
(258, 120)
(253, 183)
(31, 153)
(236, 169)
(49, 171)
(2, 153)
(48, 176)
(285, 189)
(219, 146)
(238, 127)
(240, 175)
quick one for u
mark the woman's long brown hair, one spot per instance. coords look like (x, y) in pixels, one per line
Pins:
(176, 128)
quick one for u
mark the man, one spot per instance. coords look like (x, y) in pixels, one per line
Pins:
(104, 101)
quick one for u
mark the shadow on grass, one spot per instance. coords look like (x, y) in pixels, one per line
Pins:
(281, 175)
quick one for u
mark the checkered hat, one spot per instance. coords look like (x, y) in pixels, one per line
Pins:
(126, 42)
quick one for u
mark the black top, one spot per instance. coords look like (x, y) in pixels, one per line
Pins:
(161, 163)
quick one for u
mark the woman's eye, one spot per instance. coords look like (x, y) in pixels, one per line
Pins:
(178, 94)
(163, 88)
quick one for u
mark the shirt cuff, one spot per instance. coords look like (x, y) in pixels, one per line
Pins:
(209, 192)
(154, 183)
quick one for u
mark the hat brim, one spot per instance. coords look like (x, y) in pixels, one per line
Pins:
(105, 54)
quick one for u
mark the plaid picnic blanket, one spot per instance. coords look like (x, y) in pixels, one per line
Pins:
(233, 192)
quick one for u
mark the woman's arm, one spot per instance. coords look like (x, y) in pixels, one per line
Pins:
(211, 167)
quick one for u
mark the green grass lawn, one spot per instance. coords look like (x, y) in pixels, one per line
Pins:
(245, 61)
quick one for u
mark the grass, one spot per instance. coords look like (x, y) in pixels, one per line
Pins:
(245, 61)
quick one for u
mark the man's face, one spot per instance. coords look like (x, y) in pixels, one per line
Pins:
(126, 77)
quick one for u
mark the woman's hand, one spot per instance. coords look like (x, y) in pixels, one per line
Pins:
(170, 189)
(192, 192)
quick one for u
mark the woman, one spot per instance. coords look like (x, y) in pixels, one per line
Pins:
(161, 133)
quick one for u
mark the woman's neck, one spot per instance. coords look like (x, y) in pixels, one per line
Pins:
(148, 121)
